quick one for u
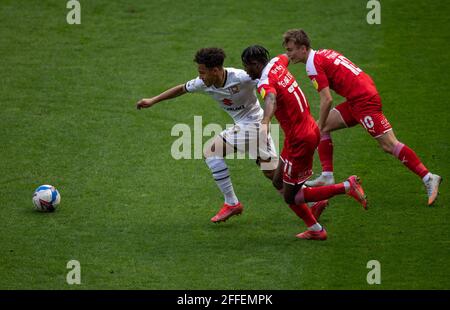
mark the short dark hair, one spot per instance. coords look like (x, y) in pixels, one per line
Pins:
(298, 36)
(210, 57)
(255, 52)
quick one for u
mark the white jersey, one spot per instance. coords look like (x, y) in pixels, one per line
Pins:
(237, 97)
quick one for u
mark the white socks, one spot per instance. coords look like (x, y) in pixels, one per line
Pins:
(327, 174)
(315, 227)
(346, 185)
(221, 175)
(427, 177)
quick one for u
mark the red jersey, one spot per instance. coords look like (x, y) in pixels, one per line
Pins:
(332, 69)
(292, 107)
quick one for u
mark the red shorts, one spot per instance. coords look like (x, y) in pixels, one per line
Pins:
(366, 112)
(297, 156)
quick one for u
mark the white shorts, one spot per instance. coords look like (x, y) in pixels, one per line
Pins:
(245, 139)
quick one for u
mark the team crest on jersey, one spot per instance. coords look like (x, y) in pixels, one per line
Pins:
(234, 89)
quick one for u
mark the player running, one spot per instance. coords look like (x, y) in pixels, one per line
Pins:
(329, 69)
(234, 91)
(284, 99)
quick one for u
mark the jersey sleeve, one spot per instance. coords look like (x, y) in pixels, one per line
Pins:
(265, 87)
(317, 74)
(283, 59)
(195, 85)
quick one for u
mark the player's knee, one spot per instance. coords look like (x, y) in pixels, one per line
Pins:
(331, 125)
(325, 130)
(387, 147)
(277, 181)
(268, 174)
(388, 142)
(209, 151)
(289, 200)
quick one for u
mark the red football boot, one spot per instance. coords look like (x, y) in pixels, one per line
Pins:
(226, 212)
(318, 207)
(313, 235)
(356, 191)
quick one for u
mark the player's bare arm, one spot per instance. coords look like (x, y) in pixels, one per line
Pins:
(168, 94)
(270, 105)
(325, 106)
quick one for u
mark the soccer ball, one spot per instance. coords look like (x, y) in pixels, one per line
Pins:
(46, 198)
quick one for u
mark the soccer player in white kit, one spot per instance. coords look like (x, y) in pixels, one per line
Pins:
(235, 92)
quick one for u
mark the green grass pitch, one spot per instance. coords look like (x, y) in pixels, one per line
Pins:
(135, 218)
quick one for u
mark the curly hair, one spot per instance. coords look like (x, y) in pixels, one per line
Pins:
(210, 57)
(255, 52)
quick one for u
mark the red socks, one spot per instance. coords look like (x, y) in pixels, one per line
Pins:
(401, 151)
(302, 210)
(409, 159)
(312, 194)
(325, 150)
